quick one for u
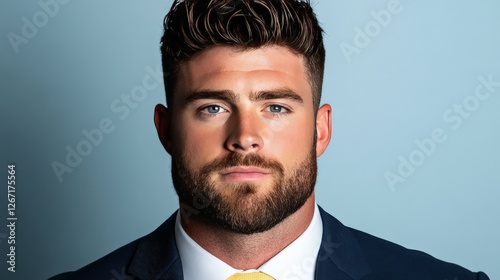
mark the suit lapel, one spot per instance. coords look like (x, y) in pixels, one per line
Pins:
(156, 256)
(340, 256)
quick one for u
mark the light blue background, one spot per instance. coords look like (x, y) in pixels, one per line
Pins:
(395, 90)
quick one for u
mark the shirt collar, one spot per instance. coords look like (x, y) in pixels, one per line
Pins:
(296, 260)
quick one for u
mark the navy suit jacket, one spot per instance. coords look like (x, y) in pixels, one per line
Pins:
(345, 253)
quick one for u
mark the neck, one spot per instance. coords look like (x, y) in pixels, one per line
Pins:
(250, 251)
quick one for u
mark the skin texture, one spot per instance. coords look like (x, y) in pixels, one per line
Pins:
(241, 104)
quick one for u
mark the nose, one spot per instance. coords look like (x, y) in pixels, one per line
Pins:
(245, 133)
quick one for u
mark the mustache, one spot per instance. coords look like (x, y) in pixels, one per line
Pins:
(235, 159)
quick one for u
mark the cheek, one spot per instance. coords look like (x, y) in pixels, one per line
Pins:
(198, 144)
(289, 142)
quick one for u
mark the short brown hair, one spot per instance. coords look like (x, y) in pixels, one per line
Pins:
(192, 26)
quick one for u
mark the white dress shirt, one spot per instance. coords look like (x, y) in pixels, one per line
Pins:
(296, 261)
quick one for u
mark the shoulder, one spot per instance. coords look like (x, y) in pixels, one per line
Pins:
(108, 267)
(387, 260)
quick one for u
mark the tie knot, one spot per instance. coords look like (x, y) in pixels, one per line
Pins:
(250, 276)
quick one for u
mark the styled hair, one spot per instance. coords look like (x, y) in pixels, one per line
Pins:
(192, 26)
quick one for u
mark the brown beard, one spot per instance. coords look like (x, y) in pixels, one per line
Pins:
(244, 210)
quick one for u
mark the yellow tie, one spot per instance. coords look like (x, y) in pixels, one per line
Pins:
(250, 276)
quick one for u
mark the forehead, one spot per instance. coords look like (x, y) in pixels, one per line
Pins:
(272, 66)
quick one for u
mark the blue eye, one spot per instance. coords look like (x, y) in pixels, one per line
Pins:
(276, 108)
(214, 109)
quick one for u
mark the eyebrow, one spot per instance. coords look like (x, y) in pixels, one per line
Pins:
(225, 95)
(284, 93)
(230, 96)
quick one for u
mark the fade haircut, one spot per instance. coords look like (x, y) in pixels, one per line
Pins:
(193, 26)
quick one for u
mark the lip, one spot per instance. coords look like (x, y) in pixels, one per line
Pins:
(244, 173)
(243, 169)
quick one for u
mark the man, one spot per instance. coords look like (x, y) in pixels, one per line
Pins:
(244, 128)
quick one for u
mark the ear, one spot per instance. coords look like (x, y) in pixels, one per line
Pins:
(163, 121)
(323, 128)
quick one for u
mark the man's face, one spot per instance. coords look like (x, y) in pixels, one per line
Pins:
(241, 133)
